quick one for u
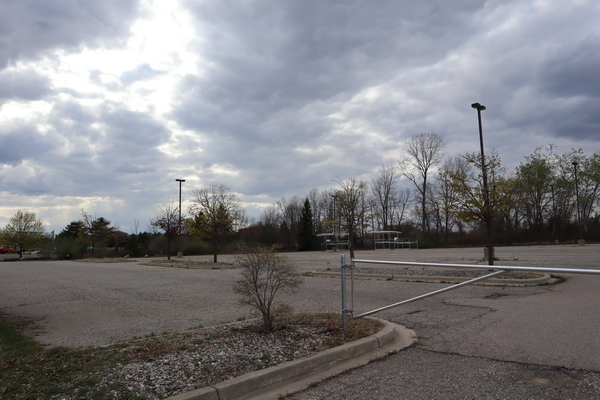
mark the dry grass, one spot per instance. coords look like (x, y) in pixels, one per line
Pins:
(28, 371)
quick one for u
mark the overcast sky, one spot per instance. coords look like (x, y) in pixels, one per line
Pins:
(105, 103)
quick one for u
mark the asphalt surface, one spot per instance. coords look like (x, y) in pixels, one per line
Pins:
(474, 342)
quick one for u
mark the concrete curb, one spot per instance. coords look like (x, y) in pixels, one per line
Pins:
(439, 279)
(297, 375)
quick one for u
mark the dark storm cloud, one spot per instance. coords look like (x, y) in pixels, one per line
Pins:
(578, 119)
(23, 85)
(571, 76)
(31, 27)
(574, 70)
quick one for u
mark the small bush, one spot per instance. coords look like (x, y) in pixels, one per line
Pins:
(264, 275)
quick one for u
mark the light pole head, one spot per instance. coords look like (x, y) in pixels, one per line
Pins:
(575, 164)
(179, 180)
(478, 107)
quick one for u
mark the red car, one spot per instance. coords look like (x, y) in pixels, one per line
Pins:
(4, 251)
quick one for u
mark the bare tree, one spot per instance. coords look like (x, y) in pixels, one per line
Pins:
(424, 151)
(318, 205)
(444, 195)
(216, 214)
(167, 220)
(352, 207)
(322, 204)
(271, 217)
(264, 275)
(403, 197)
(290, 211)
(383, 191)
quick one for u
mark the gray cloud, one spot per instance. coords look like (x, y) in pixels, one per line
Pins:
(141, 73)
(573, 70)
(90, 151)
(277, 74)
(299, 52)
(30, 27)
(108, 146)
(23, 85)
(23, 142)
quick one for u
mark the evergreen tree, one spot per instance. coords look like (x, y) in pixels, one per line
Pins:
(306, 231)
(71, 231)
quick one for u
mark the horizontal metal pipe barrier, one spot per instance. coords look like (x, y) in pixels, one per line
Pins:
(431, 294)
(493, 267)
(498, 269)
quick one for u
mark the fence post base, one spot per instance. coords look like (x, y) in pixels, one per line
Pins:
(486, 255)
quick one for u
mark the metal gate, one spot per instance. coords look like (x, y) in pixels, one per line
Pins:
(500, 270)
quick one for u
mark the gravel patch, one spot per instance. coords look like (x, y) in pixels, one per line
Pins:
(163, 366)
(210, 356)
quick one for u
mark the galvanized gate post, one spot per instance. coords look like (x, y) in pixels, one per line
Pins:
(345, 309)
(343, 292)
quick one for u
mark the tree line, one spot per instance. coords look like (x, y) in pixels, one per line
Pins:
(440, 200)
(426, 195)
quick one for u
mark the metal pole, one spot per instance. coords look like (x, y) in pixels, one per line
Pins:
(343, 259)
(502, 268)
(475, 266)
(553, 215)
(575, 164)
(334, 237)
(458, 285)
(352, 288)
(486, 193)
(179, 225)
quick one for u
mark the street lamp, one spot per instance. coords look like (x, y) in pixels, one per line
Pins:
(180, 182)
(581, 240)
(486, 194)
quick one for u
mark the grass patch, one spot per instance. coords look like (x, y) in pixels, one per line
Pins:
(13, 344)
(30, 371)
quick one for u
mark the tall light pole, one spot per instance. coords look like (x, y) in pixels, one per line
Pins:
(334, 207)
(180, 182)
(581, 240)
(486, 193)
